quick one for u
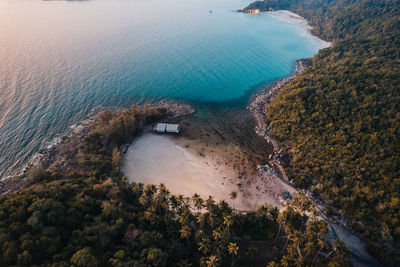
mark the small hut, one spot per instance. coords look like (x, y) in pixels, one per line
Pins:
(167, 128)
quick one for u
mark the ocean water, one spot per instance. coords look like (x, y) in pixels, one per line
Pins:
(60, 59)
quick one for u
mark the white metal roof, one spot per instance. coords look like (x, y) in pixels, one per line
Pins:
(160, 127)
(167, 128)
(172, 128)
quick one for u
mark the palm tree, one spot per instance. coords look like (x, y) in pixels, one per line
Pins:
(146, 198)
(197, 201)
(200, 218)
(233, 249)
(163, 189)
(185, 232)
(161, 200)
(281, 220)
(203, 262)
(296, 242)
(210, 203)
(228, 221)
(212, 261)
(320, 243)
(174, 203)
(204, 245)
(181, 200)
(217, 234)
(233, 196)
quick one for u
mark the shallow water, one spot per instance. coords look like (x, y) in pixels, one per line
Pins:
(60, 59)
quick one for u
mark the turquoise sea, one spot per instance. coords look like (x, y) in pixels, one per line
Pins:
(60, 59)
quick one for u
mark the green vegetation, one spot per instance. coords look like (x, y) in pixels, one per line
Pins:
(87, 214)
(340, 119)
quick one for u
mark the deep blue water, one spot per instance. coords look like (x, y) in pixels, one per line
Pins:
(59, 60)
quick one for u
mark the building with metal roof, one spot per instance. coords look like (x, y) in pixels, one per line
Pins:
(167, 128)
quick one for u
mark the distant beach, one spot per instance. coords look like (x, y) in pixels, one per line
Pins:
(289, 16)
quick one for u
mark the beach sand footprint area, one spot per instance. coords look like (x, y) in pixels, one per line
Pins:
(159, 159)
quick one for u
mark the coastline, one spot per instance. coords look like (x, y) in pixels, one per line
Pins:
(287, 15)
(257, 108)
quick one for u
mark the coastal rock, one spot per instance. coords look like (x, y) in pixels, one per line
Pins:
(124, 148)
(283, 158)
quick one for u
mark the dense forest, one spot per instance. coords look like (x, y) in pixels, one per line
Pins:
(86, 213)
(340, 120)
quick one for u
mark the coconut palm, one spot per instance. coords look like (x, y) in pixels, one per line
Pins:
(233, 196)
(174, 204)
(228, 221)
(197, 201)
(212, 261)
(181, 200)
(210, 203)
(217, 234)
(161, 200)
(233, 249)
(163, 189)
(204, 245)
(203, 262)
(224, 207)
(185, 232)
(147, 196)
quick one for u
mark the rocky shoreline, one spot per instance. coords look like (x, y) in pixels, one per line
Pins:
(279, 158)
(257, 108)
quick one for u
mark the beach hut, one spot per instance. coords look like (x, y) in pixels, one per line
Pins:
(167, 128)
(160, 127)
(173, 128)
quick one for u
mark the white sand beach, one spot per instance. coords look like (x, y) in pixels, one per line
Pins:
(159, 159)
(287, 15)
(155, 159)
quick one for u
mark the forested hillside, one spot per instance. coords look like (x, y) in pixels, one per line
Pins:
(85, 213)
(340, 120)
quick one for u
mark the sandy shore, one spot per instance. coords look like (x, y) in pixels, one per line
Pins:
(287, 15)
(177, 162)
(155, 159)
